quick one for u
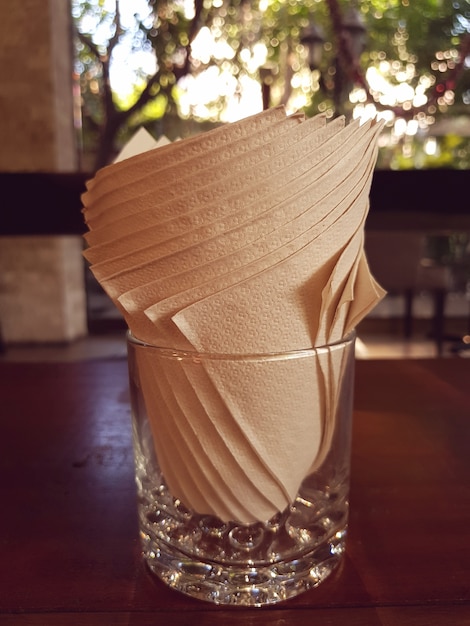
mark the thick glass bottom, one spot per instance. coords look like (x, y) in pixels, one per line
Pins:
(237, 564)
(243, 584)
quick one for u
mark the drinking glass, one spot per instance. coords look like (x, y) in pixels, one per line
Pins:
(242, 468)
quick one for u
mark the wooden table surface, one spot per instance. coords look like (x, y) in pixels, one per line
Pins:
(68, 523)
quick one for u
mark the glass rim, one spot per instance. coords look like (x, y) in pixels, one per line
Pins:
(179, 353)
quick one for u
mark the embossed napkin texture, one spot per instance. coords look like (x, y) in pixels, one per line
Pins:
(244, 240)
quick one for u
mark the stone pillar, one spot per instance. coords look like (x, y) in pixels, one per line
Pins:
(42, 287)
(37, 132)
(42, 295)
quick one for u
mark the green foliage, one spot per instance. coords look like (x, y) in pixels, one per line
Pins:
(451, 151)
(422, 41)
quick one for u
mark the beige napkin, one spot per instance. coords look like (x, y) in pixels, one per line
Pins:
(141, 142)
(246, 239)
(170, 181)
(209, 465)
(194, 207)
(233, 230)
(181, 208)
(174, 293)
(217, 195)
(117, 182)
(286, 203)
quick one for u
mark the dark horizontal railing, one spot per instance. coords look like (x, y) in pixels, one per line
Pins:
(49, 203)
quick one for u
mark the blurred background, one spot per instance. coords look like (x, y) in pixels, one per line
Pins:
(80, 77)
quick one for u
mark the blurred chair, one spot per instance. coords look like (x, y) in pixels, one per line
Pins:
(397, 260)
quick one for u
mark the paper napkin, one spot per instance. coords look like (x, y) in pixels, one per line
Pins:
(245, 240)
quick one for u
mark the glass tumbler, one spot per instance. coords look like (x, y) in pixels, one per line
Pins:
(242, 468)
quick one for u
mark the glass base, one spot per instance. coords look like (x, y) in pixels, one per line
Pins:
(237, 564)
(242, 585)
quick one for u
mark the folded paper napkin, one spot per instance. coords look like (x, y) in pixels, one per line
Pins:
(247, 239)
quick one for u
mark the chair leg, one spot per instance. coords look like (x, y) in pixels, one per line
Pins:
(408, 320)
(438, 322)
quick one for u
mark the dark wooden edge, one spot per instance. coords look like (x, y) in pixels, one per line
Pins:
(50, 204)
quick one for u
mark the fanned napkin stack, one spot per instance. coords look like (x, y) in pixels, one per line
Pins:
(243, 240)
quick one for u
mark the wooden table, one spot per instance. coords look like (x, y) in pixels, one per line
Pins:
(68, 527)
